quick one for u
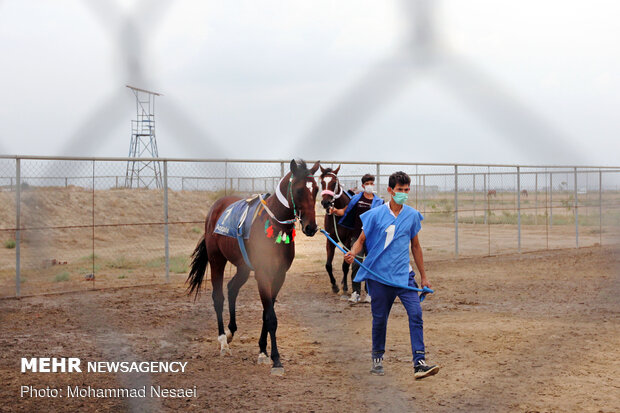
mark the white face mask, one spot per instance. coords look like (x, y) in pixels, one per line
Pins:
(369, 188)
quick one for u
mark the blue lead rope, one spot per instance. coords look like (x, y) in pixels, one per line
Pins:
(424, 290)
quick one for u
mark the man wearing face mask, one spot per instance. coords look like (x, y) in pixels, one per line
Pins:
(387, 233)
(359, 204)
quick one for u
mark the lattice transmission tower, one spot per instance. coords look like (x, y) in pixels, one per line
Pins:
(143, 174)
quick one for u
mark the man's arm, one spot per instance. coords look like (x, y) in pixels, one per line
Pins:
(355, 249)
(416, 249)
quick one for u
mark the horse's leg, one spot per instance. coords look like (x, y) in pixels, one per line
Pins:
(263, 358)
(277, 368)
(345, 266)
(345, 273)
(218, 264)
(328, 265)
(270, 323)
(234, 285)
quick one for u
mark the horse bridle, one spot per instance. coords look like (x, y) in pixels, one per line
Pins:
(332, 193)
(284, 201)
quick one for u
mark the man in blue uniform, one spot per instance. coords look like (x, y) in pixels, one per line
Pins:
(387, 232)
(359, 204)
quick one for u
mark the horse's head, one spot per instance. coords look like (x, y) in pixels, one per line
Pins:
(303, 192)
(330, 184)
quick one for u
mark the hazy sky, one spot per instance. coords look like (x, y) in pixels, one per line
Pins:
(486, 81)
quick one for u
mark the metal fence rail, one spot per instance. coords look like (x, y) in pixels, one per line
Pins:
(67, 223)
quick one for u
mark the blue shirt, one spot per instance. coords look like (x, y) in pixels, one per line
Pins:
(348, 220)
(387, 242)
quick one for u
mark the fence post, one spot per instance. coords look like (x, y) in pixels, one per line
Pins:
(519, 209)
(18, 194)
(576, 212)
(417, 182)
(536, 199)
(474, 200)
(456, 211)
(550, 199)
(486, 195)
(600, 207)
(424, 192)
(225, 178)
(166, 243)
(93, 226)
(378, 180)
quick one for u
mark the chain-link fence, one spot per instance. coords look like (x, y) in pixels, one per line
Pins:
(72, 223)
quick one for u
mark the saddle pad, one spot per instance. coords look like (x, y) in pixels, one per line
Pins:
(238, 215)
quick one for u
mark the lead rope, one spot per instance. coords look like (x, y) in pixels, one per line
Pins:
(379, 278)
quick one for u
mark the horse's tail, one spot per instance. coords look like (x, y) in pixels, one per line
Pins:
(199, 266)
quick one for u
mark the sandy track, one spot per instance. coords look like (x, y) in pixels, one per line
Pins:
(530, 332)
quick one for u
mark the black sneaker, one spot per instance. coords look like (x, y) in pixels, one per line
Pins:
(377, 367)
(424, 370)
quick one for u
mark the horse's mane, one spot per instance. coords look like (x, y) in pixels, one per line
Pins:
(302, 168)
(326, 171)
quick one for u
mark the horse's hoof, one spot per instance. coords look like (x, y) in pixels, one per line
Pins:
(263, 359)
(277, 371)
(224, 349)
(335, 289)
(229, 335)
(344, 297)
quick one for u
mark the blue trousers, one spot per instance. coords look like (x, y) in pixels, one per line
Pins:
(383, 297)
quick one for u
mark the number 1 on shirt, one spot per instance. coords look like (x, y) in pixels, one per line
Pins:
(390, 235)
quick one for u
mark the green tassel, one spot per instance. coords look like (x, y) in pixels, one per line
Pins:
(266, 225)
(287, 239)
(279, 239)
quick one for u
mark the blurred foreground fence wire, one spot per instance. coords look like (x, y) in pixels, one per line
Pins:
(69, 223)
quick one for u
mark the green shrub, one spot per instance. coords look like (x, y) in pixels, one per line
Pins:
(122, 263)
(10, 244)
(179, 264)
(63, 276)
(90, 257)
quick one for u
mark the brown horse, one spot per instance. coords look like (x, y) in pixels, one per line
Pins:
(333, 195)
(294, 200)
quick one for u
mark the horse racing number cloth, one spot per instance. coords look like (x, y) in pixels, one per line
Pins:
(235, 217)
(387, 242)
(234, 222)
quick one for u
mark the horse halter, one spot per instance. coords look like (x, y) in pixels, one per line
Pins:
(284, 201)
(332, 193)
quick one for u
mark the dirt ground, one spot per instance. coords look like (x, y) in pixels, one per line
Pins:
(535, 332)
